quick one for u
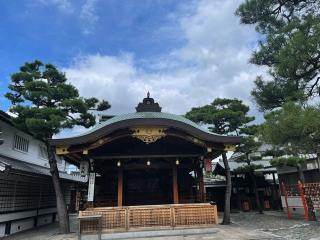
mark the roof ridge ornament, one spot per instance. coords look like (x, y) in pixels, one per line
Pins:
(148, 105)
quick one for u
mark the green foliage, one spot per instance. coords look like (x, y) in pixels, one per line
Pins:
(294, 129)
(290, 49)
(273, 94)
(223, 116)
(247, 168)
(45, 102)
(248, 148)
(274, 152)
(270, 15)
(291, 161)
(248, 145)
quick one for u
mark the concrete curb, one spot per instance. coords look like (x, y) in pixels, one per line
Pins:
(146, 234)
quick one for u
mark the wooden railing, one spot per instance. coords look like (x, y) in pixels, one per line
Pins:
(151, 217)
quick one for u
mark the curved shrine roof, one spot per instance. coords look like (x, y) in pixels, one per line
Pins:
(145, 119)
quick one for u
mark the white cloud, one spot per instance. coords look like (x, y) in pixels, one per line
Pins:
(63, 6)
(85, 13)
(76, 130)
(88, 16)
(213, 63)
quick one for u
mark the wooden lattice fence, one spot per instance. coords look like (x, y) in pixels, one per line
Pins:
(151, 217)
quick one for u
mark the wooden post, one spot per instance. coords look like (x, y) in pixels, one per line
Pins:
(127, 218)
(275, 193)
(237, 191)
(216, 220)
(172, 217)
(286, 199)
(201, 185)
(175, 184)
(120, 186)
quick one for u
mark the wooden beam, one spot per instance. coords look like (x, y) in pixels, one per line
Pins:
(175, 184)
(120, 186)
(148, 156)
(152, 166)
(109, 170)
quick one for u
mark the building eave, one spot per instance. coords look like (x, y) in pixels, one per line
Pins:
(136, 122)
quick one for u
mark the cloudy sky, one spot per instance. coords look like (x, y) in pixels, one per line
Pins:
(186, 53)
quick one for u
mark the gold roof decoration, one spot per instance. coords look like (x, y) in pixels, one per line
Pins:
(148, 134)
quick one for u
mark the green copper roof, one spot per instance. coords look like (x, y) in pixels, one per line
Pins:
(148, 114)
(145, 115)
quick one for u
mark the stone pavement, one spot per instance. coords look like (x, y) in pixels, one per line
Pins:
(232, 232)
(246, 226)
(278, 224)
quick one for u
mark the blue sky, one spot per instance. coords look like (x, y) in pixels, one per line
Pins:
(54, 31)
(186, 53)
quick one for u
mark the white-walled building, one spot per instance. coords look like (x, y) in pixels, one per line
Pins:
(27, 197)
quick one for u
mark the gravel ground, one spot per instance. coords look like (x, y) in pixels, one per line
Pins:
(276, 223)
(245, 226)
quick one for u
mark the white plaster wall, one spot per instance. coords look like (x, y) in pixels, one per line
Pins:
(17, 215)
(2, 230)
(47, 211)
(22, 225)
(295, 202)
(292, 202)
(43, 220)
(295, 212)
(33, 154)
(295, 206)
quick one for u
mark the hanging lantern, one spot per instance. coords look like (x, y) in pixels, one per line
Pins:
(148, 163)
(119, 164)
(177, 161)
(84, 168)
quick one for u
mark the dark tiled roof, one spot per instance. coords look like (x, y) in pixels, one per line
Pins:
(10, 163)
(5, 117)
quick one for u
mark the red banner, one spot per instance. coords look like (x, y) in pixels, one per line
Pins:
(207, 165)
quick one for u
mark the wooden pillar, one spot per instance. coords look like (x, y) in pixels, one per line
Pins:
(201, 185)
(275, 194)
(120, 186)
(175, 184)
(237, 191)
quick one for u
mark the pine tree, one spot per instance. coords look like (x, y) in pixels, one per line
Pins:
(45, 103)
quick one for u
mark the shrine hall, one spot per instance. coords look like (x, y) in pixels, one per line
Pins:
(146, 160)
